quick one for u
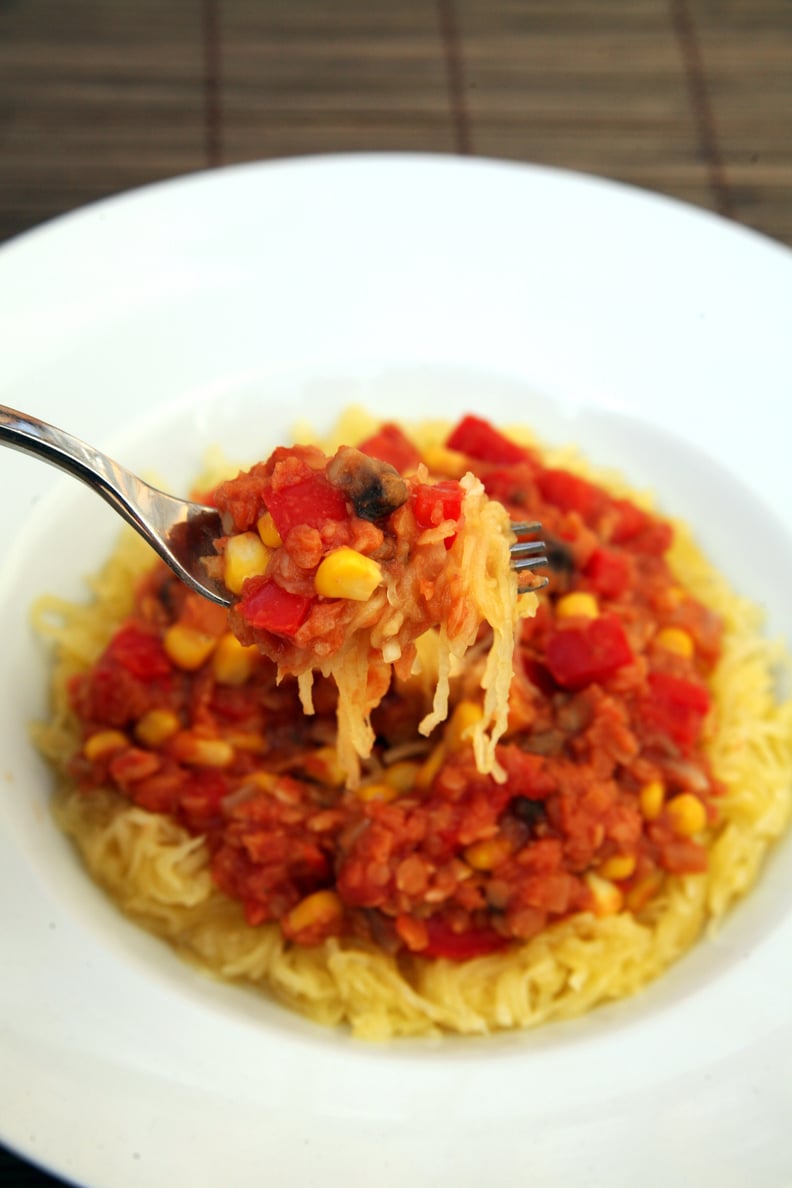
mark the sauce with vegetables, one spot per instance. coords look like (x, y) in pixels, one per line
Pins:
(607, 786)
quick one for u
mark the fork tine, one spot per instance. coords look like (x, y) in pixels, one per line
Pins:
(526, 548)
(523, 527)
(524, 564)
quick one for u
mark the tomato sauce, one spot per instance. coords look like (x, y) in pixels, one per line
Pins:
(608, 788)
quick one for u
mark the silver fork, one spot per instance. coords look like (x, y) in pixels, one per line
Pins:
(528, 555)
(179, 531)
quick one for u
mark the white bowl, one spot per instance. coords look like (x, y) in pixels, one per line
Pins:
(219, 309)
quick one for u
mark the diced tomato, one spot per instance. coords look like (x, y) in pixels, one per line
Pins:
(578, 656)
(392, 445)
(312, 501)
(161, 793)
(200, 800)
(267, 606)
(242, 498)
(514, 486)
(675, 707)
(608, 572)
(139, 652)
(435, 502)
(203, 615)
(539, 676)
(479, 439)
(129, 765)
(460, 946)
(683, 856)
(645, 533)
(568, 491)
(630, 520)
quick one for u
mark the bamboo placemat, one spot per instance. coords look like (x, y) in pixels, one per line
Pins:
(692, 98)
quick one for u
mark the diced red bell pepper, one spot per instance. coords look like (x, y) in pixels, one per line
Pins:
(139, 652)
(390, 444)
(461, 946)
(675, 707)
(312, 501)
(608, 572)
(579, 656)
(479, 439)
(267, 606)
(571, 493)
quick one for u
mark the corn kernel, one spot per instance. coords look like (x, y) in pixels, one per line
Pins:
(487, 854)
(402, 775)
(264, 781)
(687, 814)
(202, 752)
(651, 799)
(430, 767)
(608, 899)
(156, 727)
(579, 604)
(641, 892)
(465, 716)
(440, 460)
(245, 556)
(232, 662)
(250, 741)
(379, 791)
(321, 907)
(345, 573)
(674, 639)
(322, 765)
(104, 743)
(617, 868)
(187, 647)
(265, 526)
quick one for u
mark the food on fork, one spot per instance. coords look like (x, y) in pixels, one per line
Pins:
(341, 564)
(643, 771)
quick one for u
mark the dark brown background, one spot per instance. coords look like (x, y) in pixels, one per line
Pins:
(689, 97)
(692, 98)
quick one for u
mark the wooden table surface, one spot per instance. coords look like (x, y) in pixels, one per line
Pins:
(692, 98)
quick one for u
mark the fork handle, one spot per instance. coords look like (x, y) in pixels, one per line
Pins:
(32, 436)
(180, 532)
(151, 512)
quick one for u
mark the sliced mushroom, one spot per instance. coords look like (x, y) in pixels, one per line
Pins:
(374, 488)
